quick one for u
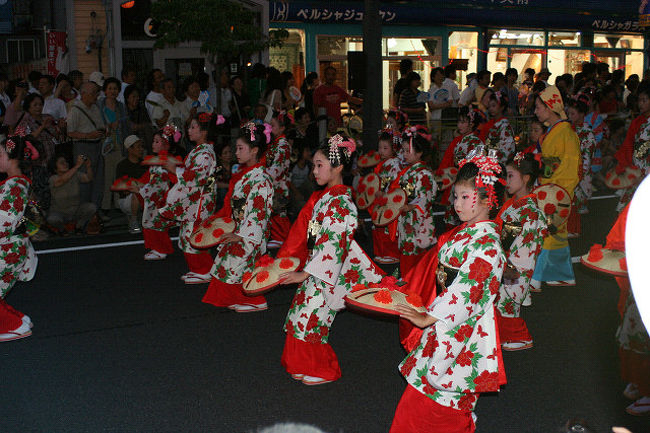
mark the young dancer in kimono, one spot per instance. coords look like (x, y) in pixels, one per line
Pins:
(561, 159)
(192, 198)
(497, 132)
(414, 227)
(635, 150)
(576, 112)
(458, 356)
(384, 246)
(155, 228)
(523, 229)
(17, 257)
(332, 263)
(277, 160)
(248, 202)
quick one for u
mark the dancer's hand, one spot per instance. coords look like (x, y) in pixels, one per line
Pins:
(228, 238)
(293, 277)
(421, 320)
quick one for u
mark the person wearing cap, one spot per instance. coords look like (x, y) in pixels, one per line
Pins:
(543, 75)
(86, 128)
(561, 158)
(131, 203)
(98, 78)
(467, 96)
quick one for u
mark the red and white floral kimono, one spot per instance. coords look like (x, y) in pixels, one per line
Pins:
(637, 135)
(498, 134)
(155, 228)
(415, 229)
(248, 202)
(382, 243)
(521, 254)
(191, 200)
(277, 160)
(459, 356)
(17, 257)
(335, 264)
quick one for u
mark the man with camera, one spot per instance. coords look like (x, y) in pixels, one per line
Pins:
(87, 130)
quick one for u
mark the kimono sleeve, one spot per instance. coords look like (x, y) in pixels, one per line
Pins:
(476, 285)
(528, 244)
(257, 211)
(13, 195)
(333, 243)
(426, 188)
(281, 159)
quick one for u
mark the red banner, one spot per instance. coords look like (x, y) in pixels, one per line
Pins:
(55, 51)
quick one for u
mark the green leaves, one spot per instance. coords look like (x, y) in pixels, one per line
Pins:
(225, 28)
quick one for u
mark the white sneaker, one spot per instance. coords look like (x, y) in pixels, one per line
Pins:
(27, 320)
(297, 376)
(313, 380)
(527, 300)
(24, 330)
(154, 255)
(249, 308)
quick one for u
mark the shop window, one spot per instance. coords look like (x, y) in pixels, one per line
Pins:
(516, 37)
(634, 42)
(565, 39)
(291, 56)
(463, 50)
(566, 61)
(634, 63)
(338, 46)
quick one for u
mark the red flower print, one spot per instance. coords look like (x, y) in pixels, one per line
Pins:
(431, 346)
(494, 286)
(6, 247)
(464, 359)
(312, 322)
(247, 276)
(426, 183)
(261, 215)
(286, 264)
(221, 273)
(351, 276)
(486, 381)
(408, 247)
(383, 297)
(509, 307)
(484, 240)
(5, 206)
(15, 191)
(18, 204)
(324, 238)
(299, 299)
(427, 388)
(479, 270)
(22, 250)
(454, 262)
(408, 365)
(262, 276)
(195, 196)
(466, 402)
(12, 258)
(7, 277)
(313, 338)
(529, 238)
(258, 202)
(247, 189)
(158, 224)
(476, 294)
(178, 210)
(236, 249)
(189, 175)
(324, 330)
(464, 332)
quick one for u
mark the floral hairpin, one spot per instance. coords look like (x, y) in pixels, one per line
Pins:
(520, 156)
(10, 146)
(21, 131)
(171, 131)
(489, 170)
(30, 151)
(337, 143)
(267, 133)
(204, 117)
(250, 127)
(282, 114)
(412, 131)
(220, 120)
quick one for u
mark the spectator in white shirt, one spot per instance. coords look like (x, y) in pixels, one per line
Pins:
(439, 97)
(168, 109)
(451, 85)
(467, 96)
(128, 77)
(155, 96)
(53, 106)
(77, 78)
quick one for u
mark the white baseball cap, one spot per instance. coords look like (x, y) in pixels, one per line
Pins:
(97, 78)
(131, 140)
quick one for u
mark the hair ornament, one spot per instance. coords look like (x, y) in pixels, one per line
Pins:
(412, 131)
(204, 117)
(267, 133)
(30, 151)
(21, 131)
(285, 114)
(338, 144)
(10, 146)
(171, 131)
(489, 170)
(250, 127)
(220, 120)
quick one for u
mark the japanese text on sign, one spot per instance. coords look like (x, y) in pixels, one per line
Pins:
(625, 26)
(281, 13)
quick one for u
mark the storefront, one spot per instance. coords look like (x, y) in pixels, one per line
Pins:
(481, 36)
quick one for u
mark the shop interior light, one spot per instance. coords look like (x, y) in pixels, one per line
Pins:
(127, 4)
(392, 42)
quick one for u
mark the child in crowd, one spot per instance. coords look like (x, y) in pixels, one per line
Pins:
(523, 228)
(497, 132)
(458, 356)
(249, 202)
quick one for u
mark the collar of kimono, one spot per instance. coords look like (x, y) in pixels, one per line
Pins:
(415, 166)
(512, 202)
(20, 176)
(543, 137)
(275, 141)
